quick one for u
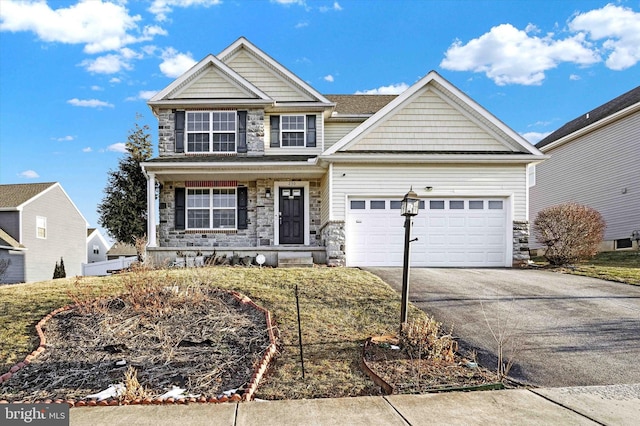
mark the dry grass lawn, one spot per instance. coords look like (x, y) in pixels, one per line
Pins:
(619, 266)
(340, 308)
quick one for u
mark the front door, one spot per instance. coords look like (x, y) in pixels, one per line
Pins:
(291, 215)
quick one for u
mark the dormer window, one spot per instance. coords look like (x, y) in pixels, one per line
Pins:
(211, 131)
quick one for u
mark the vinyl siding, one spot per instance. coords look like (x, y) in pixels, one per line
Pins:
(594, 170)
(66, 236)
(294, 150)
(333, 132)
(266, 79)
(324, 198)
(428, 123)
(446, 180)
(10, 223)
(15, 271)
(92, 257)
(212, 84)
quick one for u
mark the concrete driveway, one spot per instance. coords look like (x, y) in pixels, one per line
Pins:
(562, 330)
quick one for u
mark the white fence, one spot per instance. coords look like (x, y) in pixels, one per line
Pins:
(106, 267)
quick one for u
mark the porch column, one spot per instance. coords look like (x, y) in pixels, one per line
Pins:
(151, 210)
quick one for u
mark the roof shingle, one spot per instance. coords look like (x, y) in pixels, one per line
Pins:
(13, 195)
(603, 111)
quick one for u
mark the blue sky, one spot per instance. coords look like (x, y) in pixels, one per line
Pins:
(74, 74)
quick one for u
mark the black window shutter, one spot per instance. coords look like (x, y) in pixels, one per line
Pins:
(179, 128)
(242, 207)
(275, 131)
(311, 131)
(242, 131)
(180, 204)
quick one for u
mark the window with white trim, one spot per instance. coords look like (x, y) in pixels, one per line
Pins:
(41, 227)
(211, 131)
(211, 208)
(292, 128)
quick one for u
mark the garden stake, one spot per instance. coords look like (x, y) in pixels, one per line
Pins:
(299, 331)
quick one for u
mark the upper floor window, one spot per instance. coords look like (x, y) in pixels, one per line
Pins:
(211, 131)
(211, 208)
(293, 130)
(96, 249)
(41, 227)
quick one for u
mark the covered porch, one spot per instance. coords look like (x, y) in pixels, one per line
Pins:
(235, 206)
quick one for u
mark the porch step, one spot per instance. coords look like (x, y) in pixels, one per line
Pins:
(295, 260)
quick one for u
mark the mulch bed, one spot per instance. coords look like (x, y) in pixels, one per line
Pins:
(409, 375)
(207, 345)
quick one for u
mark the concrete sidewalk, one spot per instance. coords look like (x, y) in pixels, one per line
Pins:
(609, 405)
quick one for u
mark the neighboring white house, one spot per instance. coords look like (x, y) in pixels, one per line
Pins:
(252, 159)
(595, 161)
(97, 246)
(40, 225)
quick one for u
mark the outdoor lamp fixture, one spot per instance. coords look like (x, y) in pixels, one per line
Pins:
(408, 208)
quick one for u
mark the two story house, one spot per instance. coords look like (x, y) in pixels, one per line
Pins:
(39, 224)
(253, 160)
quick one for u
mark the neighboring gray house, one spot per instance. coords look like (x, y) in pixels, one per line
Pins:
(595, 161)
(40, 225)
(97, 246)
(252, 159)
(120, 249)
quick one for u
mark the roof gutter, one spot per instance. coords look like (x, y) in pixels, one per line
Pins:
(432, 158)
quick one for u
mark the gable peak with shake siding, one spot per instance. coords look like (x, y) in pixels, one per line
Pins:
(450, 122)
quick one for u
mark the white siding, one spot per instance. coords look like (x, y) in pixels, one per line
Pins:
(601, 170)
(428, 123)
(334, 131)
(446, 181)
(266, 79)
(212, 84)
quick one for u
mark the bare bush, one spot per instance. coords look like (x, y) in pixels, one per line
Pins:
(571, 232)
(423, 339)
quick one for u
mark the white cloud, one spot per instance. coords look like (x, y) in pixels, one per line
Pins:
(534, 137)
(392, 89)
(65, 138)
(619, 29)
(161, 8)
(510, 56)
(289, 2)
(328, 78)
(89, 103)
(87, 149)
(99, 25)
(96, 88)
(301, 24)
(335, 7)
(174, 64)
(108, 64)
(115, 80)
(144, 95)
(574, 77)
(117, 147)
(29, 174)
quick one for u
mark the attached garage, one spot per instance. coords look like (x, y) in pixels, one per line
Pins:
(450, 232)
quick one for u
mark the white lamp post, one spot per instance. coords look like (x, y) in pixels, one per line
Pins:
(408, 208)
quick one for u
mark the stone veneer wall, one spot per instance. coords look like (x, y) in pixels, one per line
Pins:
(520, 243)
(260, 214)
(255, 132)
(333, 238)
(170, 237)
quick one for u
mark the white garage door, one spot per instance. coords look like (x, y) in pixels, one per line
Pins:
(450, 232)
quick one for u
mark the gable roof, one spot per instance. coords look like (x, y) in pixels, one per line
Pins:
(95, 231)
(608, 109)
(13, 196)
(242, 43)
(461, 101)
(189, 76)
